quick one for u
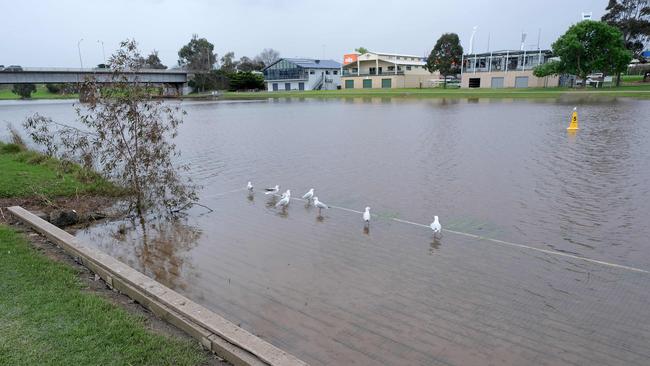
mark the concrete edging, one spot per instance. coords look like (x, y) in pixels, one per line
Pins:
(222, 337)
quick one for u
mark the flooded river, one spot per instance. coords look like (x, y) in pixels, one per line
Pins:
(333, 293)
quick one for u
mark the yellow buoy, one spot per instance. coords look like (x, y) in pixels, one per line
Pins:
(573, 125)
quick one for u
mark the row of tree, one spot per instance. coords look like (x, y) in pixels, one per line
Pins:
(198, 56)
(605, 46)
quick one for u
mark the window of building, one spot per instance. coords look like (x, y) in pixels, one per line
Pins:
(391, 68)
(287, 86)
(367, 83)
(327, 72)
(312, 72)
(349, 84)
(335, 72)
(275, 86)
(408, 68)
(355, 70)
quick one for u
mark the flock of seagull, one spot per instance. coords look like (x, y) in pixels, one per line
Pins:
(285, 199)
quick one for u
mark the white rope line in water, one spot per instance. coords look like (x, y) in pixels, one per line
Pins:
(479, 237)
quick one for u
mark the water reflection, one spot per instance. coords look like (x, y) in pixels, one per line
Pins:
(160, 249)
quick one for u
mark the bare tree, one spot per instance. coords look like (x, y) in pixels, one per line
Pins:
(268, 56)
(127, 135)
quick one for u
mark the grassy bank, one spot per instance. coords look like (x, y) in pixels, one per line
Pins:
(28, 174)
(635, 91)
(47, 318)
(40, 93)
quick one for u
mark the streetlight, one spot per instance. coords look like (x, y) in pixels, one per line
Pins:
(79, 49)
(103, 52)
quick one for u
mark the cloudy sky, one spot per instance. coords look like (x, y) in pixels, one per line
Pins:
(45, 33)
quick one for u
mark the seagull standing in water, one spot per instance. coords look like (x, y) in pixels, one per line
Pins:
(286, 198)
(320, 205)
(435, 226)
(273, 190)
(366, 216)
(249, 186)
(308, 196)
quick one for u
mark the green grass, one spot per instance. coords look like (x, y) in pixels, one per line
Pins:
(28, 173)
(40, 93)
(637, 91)
(47, 319)
(631, 78)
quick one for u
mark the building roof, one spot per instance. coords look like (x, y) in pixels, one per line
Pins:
(310, 63)
(509, 52)
(393, 54)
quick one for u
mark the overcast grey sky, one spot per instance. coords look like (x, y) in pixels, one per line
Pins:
(46, 32)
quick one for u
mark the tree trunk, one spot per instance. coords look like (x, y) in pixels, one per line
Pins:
(618, 79)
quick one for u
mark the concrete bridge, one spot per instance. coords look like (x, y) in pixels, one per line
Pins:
(172, 81)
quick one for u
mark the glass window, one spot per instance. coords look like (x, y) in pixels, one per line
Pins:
(367, 83)
(391, 68)
(355, 70)
(349, 84)
(336, 72)
(327, 72)
(312, 72)
(408, 67)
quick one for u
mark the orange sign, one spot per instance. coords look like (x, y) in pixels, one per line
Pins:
(350, 58)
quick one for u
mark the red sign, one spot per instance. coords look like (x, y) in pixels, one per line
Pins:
(350, 58)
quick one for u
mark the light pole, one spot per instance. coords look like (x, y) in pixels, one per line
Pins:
(103, 52)
(471, 40)
(79, 49)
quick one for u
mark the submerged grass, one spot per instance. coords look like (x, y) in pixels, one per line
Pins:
(635, 91)
(47, 319)
(28, 173)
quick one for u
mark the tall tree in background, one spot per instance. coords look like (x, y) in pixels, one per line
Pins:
(587, 47)
(228, 63)
(245, 64)
(268, 56)
(153, 61)
(197, 55)
(361, 50)
(632, 18)
(445, 56)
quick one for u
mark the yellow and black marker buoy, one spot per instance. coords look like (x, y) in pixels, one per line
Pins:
(573, 125)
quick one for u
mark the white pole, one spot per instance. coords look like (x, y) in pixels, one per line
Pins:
(471, 40)
(462, 64)
(358, 65)
(507, 54)
(103, 52)
(490, 65)
(523, 62)
(79, 49)
(475, 63)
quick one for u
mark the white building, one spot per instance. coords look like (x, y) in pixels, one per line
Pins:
(302, 74)
(386, 70)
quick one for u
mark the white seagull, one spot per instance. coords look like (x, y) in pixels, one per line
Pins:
(273, 190)
(366, 216)
(320, 205)
(249, 186)
(308, 195)
(435, 225)
(286, 198)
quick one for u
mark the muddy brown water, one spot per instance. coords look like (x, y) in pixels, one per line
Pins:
(330, 292)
